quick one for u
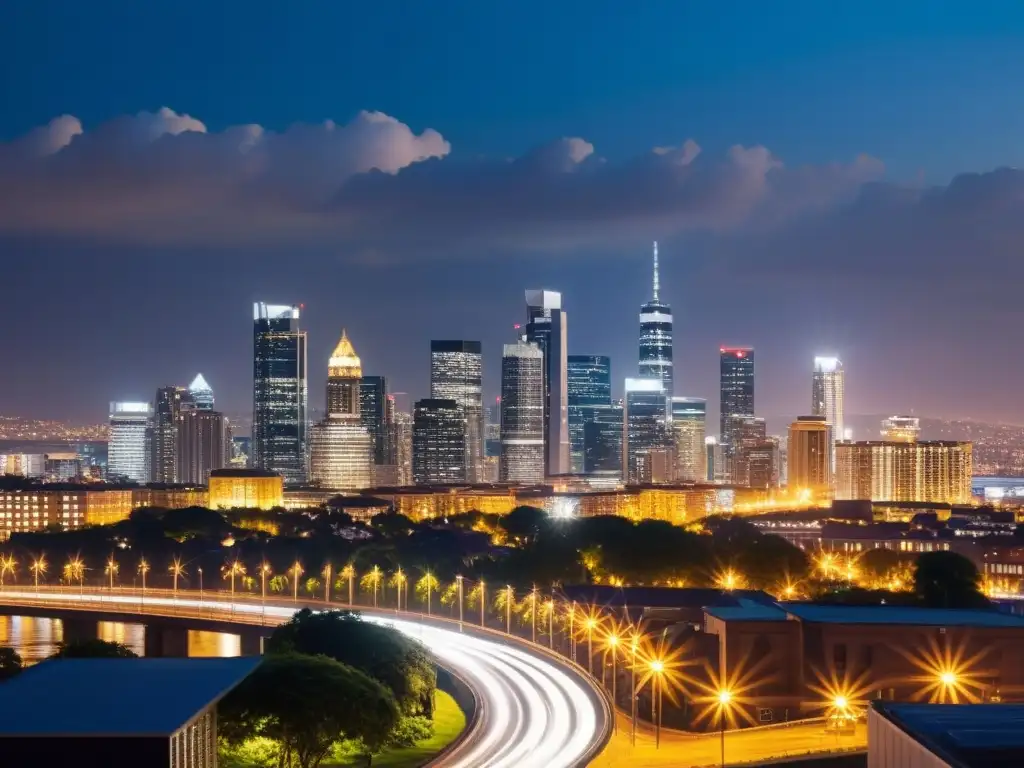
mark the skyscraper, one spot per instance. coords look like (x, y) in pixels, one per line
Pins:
(736, 389)
(522, 414)
(547, 327)
(163, 448)
(341, 447)
(589, 385)
(128, 450)
(827, 391)
(201, 446)
(645, 435)
(201, 393)
(689, 428)
(809, 454)
(749, 434)
(373, 414)
(401, 444)
(656, 337)
(438, 442)
(602, 440)
(279, 392)
(456, 373)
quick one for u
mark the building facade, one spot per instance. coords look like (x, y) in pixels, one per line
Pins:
(589, 386)
(164, 437)
(547, 327)
(438, 442)
(809, 454)
(645, 431)
(245, 488)
(201, 444)
(522, 458)
(828, 390)
(375, 408)
(656, 338)
(456, 373)
(602, 441)
(736, 397)
(279, 419)
(689, 430)
(929, 471)
(130, 437)
(749, 434)
(901, 429)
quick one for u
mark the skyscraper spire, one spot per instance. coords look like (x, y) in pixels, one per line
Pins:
(656, 270)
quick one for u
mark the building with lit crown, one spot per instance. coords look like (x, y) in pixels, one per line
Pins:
(456, 373)
(522, 414)
(589, 387)
(438, 442)
(255, 488)
(901, 429)
(929, 471)
(128, 450)
(656, 337)
(279, 418)
(828, 388)
(341, 448)
(547, 327)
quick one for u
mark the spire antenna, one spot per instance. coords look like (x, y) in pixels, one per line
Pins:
(656, 270)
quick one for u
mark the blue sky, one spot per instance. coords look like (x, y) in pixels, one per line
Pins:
(160, 271)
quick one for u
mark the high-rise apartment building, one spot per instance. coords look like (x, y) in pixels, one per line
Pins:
(547, 327)
(928, 471)
(589, 386)
(374, 410)
(401, 443)
(736, 390)
(713, 449)
(809, 454)
(646, 440)
(827, 392)
(438, 442)
(901, 429)
(201, 444)
(689, 427)
(762, 463)
(201, 394)
(279, 420)
(163, 447)
(341, 447)
(522, 414)
(748, 433)
(602, 441)
(656, 337)
(456, 373)
(128, 450)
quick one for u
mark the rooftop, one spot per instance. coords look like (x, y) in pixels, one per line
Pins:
(893, 614)
(963, 735)
(747, 611)
(122, 697)
(662, 597)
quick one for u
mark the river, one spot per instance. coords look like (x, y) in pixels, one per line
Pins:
(36, 638)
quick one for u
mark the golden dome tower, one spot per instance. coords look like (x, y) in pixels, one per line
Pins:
(344, 373)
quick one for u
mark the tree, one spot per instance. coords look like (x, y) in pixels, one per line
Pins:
(93, 649)
(392, 525)
(400, 663)
(523, 524)
(948, 580)
(306, 704)
(10, 663)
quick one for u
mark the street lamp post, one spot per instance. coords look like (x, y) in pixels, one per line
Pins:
(38, 567)
(551, 624)
(572, 631)
(200, 570)
(176, 571)
(112, 569)
(483, 600)
(7, 565)
(632, 687)
(613, 644)
(296, 571)
(458, 580)
(349, 572)
(533, 607)
(264, 570)
(657, 668)
(590, 624)
(509, 599)
(143, 569)
(724, 700)
(327, 583)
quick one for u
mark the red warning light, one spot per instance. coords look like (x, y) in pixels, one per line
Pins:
(517, 326)
(739, 354)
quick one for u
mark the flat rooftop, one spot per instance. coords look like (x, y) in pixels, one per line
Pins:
(963, 735)
(894, 614)
(115, 697)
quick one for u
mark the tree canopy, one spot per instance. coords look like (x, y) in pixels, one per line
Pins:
(93, 648)
(10, 663)
(948, 580)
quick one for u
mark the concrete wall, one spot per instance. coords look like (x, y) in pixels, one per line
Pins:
(891, 747)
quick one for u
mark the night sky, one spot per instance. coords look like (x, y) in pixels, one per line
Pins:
(824, 178)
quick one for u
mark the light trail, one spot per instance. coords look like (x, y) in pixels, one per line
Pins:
(532, 712)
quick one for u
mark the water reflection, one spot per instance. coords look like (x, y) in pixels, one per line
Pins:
(36, 638)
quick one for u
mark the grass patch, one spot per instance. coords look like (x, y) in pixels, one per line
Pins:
(449, 722)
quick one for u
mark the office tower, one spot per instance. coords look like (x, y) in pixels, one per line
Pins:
(128, 450)
(241, 451)
(645, 431)
(438, 442)
(689, 425)
(713, 450)
(736, 390)
(809, 455)
(522, 414)
(456, 373)
(62, 467)
(901, 429)
(163, 450)
(827, 392)
(401, 442)
(201, 444)
(279, 392)
(201, 393)
(762, 462)
(656, 337)
(925, 471)
(589, 384)
(547, 327)
(374, 408)
(748, 433)
(602, 441)
(341, 448)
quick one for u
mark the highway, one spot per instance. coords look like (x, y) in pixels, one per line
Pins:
(533, 711)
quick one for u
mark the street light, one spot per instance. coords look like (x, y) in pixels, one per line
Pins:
(200, 570)
(509, 599)
(533, 608)
(38, 568)
(550, 605)
(7, 565)
(458, 580)
(724, 702)
(111, 570)
(327, 583)
(296, 572)
(657, 667)
(612, 642)
(483, 600)
(143, 569)
(349, 572)
(590, 622)
(399, 580)
(264, 570)
(235, 568)
(176, 569)
(634, 643)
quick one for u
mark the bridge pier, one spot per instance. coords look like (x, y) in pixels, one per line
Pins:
(166, 641)
(75, 629)
(252, 643)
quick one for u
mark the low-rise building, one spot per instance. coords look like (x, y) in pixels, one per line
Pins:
(257, 488)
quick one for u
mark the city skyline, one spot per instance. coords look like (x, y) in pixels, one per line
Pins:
(424, 212)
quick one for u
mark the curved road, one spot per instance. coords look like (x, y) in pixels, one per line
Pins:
(532, 711)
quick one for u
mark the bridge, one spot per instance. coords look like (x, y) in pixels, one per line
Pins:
(533, 708)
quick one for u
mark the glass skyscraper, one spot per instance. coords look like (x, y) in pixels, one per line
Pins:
(522, 414)
(128, 450)
(736, 389)
(547, 327)
(438, 442)
(645, 429)
(828, 385)
(374, 409)
(163, 448)
(456, 373)
(602, 440)
(279, 392)
(589, 385)
(656, 337)
(689, 427)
